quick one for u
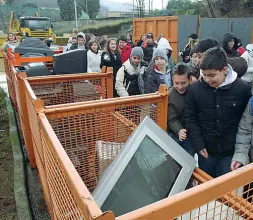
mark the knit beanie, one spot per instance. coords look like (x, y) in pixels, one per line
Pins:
(160, 52)
(137, 51)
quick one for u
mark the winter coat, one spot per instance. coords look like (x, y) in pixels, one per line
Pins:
(139, 44)
(94, 61)
(148, 50)
(230, 52)
(129, 80)
(243, 146)
(212, 115)
(155, 79)
(130, 44)
(176, 120)
(248, 77)
(186, 53)
(125, 53)
(76, 46)
(164, 43)
(9, 44)
(241, 50)
(112, 60)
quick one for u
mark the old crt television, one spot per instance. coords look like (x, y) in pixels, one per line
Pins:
(150, 167)
(74, 61)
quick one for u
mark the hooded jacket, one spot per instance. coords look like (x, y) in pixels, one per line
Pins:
(129, 80)
(230, 52)
(125, 53)
(76, 46)
(163, 43)
(148, 50)
(156, 78)
(238, 64)
(244, 143)
(212, 114)
(248, 56)
(94, 61)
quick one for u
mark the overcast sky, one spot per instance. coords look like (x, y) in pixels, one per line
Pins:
(157, 3)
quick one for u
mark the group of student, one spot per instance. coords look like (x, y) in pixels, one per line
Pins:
(210, 109)
(207, 115)
(207, 112)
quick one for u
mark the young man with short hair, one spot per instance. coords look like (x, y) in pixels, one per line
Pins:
(182, 75)
(213, 109)
(148, 47)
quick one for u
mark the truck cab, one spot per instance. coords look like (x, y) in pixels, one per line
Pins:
(36, 27)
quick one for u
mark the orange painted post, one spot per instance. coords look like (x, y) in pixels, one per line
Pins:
(163, 107)
(25, 119)
(110, 83)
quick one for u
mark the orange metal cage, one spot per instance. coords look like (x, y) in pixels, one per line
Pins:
(54, 90)
(87, 137)
(91, 134)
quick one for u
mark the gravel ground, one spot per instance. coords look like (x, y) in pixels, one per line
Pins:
(36, 198)
(34, 188)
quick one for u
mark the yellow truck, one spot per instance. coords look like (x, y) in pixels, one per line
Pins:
(31, 26)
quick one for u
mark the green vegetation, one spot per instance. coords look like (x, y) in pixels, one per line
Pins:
(110, 27)
(208, 8)
(67, 9)
(7, 200)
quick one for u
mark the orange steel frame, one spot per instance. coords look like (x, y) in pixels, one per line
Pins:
(24, 86)
(74, 188)
(57, 170)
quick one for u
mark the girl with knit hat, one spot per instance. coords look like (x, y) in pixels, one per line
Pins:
(129, 80)
(160, 73)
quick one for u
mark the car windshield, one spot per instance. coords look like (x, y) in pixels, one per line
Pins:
(38, 24)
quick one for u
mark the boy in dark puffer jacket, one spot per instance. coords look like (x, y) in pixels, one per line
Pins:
(213, 109)
(148, 47)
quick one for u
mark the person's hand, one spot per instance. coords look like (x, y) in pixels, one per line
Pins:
(235, 165)
(180, 53)
(204, 153)
(182, 134)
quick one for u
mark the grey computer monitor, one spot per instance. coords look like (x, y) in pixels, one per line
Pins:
(150, 167)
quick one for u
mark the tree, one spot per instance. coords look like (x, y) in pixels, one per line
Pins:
(67, 9)
(140, 5)
(182, 7)
(93, 8)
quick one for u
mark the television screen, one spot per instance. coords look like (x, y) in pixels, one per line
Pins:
(148, 177)
(74, 61)
(150, 167)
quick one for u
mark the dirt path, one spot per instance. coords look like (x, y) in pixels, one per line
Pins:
(7, 200)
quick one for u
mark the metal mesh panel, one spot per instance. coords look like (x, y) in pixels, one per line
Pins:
(43, 180)
(11, 78)
(62, 91)
(65, 193)
(34, 127)
(92, 137)
(228, 197)
(236, 205)
(63, 202)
